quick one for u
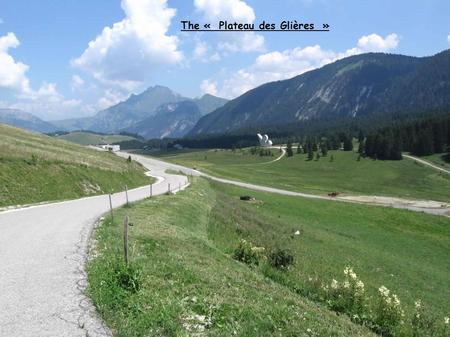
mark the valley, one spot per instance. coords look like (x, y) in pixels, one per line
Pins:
(339, 171)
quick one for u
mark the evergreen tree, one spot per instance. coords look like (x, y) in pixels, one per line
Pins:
(310, 152)
(361, 147)
(289, 151)
(348, 143)
(324, 149)
(360, 136)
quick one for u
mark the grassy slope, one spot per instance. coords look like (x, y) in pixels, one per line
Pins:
(437, 159)
(88, 138)
(183, 244)
(345, 174)
(60, 170)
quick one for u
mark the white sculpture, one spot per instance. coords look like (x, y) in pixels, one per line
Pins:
(264, 141)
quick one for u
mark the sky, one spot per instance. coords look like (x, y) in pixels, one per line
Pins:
(72, 58)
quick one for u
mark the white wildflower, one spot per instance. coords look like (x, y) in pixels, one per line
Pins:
(447, 320)
(346, 284)
(334, 284)
(360, 286)
(396, 300)
(384, 291)
(418, 304)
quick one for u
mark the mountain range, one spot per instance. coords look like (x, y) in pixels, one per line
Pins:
(25, 120)
(373, 84)
(357, 86)
(157, 112)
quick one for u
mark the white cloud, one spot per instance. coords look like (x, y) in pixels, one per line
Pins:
(208, 87)
(279, 65)
(12, 73)
(232, 10)
(202, 52)
(375, 43)
(45, 102)
(110, 97)
(77, 82)
(448, 39)
(124, 54)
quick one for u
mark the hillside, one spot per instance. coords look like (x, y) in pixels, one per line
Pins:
(90, 138)
(137, 111)
(189, 277)
(354, 87)
(36, 168)
(25, 120)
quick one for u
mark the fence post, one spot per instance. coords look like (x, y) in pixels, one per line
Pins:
(169, 188)
(111, 208)
(179, 187)
(126, 192)
(125, 239)
(151, 191)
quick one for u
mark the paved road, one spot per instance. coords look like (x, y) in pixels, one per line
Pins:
(425, 206)
(42, 254)
(426, 163)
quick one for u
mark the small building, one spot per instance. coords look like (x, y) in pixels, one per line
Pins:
(112, 148)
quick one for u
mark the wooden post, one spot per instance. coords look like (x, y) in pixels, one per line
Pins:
(125, 239)
(151, 191)
(111, 208)
(179, 187)
(126, 192)
(169, 188)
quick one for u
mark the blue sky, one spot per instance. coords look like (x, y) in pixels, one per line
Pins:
(63, 59)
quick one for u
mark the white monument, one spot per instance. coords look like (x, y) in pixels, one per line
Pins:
(264, 141)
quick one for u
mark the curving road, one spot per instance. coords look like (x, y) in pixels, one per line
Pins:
(425, 206)
(43, 250)
(426, 163)
(42, 254)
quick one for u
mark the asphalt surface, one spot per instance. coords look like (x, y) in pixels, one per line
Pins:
(42, 253)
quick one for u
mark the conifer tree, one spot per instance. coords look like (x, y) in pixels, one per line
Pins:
(289, 151)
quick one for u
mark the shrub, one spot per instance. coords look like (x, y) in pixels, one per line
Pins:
(128, 277)
(248, 253)
(347, 296)
(280, 258)
(388, 314)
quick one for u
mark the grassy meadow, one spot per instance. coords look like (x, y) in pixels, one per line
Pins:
(183, 279)
(89, 138)
(339, 172)
(36, 168)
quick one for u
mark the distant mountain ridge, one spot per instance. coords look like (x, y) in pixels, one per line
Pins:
(142, 111)
(353, 87)
(25, 120)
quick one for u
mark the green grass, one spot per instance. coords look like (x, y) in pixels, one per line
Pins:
(36, 168)
(437, 159)
(182, 245)
(345, 174)
(89, 138)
